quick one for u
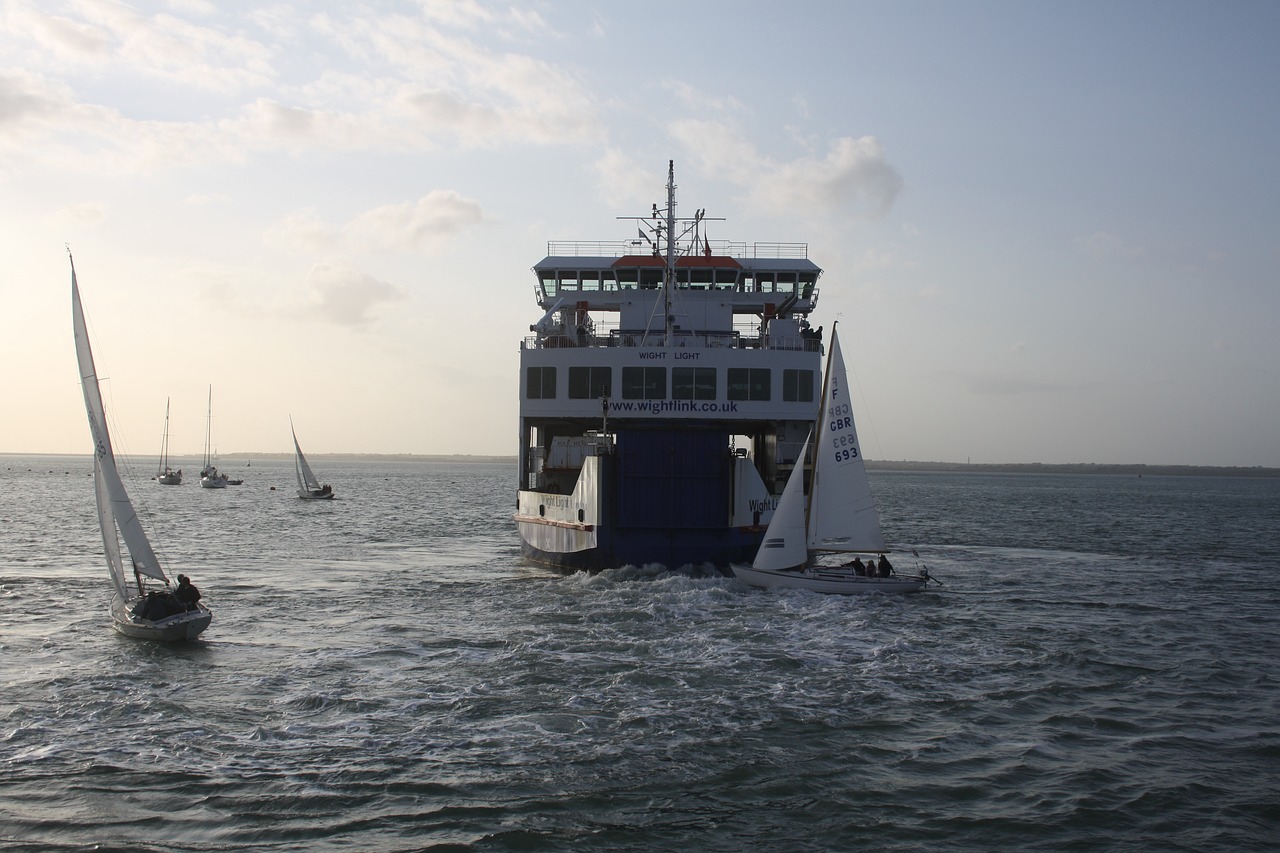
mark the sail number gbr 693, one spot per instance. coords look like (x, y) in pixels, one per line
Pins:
(844, 438)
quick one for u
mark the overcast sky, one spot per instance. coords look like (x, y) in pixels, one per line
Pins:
(1051, 231)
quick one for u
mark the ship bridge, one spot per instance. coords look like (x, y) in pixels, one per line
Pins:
(729, 294)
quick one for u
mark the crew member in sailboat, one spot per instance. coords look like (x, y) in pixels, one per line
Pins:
(187, 592)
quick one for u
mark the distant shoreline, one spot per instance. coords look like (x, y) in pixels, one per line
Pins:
(228, 460)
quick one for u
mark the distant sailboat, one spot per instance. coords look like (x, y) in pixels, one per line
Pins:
(209, 476)
(309, 487)
(165, 475)
(840, 517)
(140, 607)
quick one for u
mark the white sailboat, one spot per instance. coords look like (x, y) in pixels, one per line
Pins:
(840, 517)
(309, 487)
(165, 618)
(165, 475)
(209, 476)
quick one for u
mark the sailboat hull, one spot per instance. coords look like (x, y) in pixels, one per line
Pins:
(174, 629)
(833, 581)
(318, 495)
(174, 479)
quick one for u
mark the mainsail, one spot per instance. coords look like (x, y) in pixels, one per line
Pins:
(842, 514)
(306, 478)
(115, 510)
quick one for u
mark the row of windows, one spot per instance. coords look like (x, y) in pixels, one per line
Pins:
(697, 279)
(687, 383)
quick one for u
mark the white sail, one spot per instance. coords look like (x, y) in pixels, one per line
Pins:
(306, 477)
(842, 514)
(115, 510)
(110, 541)
(784, 545)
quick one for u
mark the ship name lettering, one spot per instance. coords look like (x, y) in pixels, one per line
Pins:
(656, 356)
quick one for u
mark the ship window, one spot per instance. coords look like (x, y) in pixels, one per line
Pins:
(651, 278)
(644, 383)
(797, 386)
(591, 281)
(764, 282)
(693, 383)
(608, 281)
(808, 281)
(627, 279)
(568, 281)
(590, 383)
(549, 284)
(540, 383)
(786, 282)
(748, 383)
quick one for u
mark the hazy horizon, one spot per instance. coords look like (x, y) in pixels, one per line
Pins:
(1049, 231)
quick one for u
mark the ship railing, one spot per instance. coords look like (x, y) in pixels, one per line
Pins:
(719, 248)
(689, 340)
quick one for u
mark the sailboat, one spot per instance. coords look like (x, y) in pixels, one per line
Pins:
(165, 475)
(209, 476)
(840, 516)
(309, 487)
(165, 618)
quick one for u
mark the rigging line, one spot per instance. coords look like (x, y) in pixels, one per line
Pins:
(124, 457)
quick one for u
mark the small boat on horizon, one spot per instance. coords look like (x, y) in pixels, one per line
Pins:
(209, 476)
(309, 487)
(165, 475)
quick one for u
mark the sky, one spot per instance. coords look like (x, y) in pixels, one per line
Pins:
(1050, 231)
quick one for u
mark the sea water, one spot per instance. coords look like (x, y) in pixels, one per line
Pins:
(383, 672)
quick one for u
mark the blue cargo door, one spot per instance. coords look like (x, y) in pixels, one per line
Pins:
(673, 479)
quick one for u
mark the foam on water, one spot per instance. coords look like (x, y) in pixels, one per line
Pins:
(383, 673)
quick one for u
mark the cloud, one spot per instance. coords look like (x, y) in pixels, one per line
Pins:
(854, 176)
(83, 215)
(343, 295)
(1008, 385)
(421, 226)
(621, 180)
(210, 94)
(425, 226)
(1101, 244)
(302, 231)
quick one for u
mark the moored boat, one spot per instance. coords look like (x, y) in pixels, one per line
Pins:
(165, 475)
(210, 477)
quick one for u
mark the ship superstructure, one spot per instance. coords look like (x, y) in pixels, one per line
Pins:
(665, 395)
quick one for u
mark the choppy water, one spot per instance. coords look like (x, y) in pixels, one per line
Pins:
(383, 673)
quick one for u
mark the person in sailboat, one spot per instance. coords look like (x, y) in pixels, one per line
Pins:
(186, 593)
(856, 565)
(883, 567)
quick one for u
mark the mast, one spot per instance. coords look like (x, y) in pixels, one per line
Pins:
(669, 280)
(208, 428)
(818, 425)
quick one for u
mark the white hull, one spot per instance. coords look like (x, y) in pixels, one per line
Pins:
(213, 482)
(174, 629)
(828, 580)
(169, 479)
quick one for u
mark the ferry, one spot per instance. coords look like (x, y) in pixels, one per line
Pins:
(665, 395)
